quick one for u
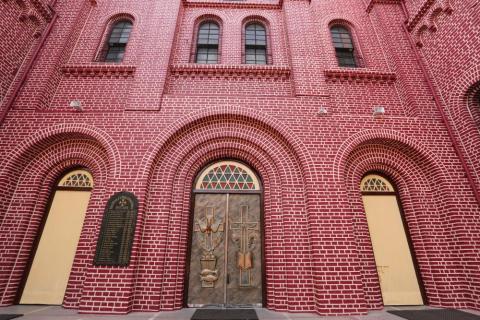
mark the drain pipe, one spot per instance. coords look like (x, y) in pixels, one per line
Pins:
(439, 106)
(28, 68)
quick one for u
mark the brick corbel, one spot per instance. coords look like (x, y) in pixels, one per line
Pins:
(232, 5)
(100, 70)
(240, 71)
(357, 75)
(372, 3)
(42, 9)
(424, 10)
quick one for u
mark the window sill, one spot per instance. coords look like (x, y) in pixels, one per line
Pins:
(244, 70)
(98, 70)
(359, 75)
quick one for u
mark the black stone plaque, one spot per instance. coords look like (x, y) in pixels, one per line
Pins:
(118, 227)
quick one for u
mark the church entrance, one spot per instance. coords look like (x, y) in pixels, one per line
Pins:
(49, 272)
(396, 271)
(226, 243)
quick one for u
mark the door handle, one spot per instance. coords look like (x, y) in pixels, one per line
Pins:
(228, 278)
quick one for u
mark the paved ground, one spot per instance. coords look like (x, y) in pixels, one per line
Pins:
(58, 313)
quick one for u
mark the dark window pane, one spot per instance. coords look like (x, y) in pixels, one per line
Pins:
(341, 37)
(255, 44)
(346, 58)
(117, 41)
(207, 43)
(343, 44)
(115, 54)
(207, 55)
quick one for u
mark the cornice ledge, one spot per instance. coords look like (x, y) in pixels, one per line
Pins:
(100, 70)
(229, 5)
(43, 9)
(374, 2)
(424, 9)
(357, 75)
(267, 71)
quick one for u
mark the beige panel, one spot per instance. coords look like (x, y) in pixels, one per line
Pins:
(395, 267)
(48, 277)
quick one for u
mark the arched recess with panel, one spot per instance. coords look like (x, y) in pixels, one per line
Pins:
(53, 259)
(391, 247)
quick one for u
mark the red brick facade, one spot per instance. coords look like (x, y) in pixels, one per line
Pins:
(152, 122)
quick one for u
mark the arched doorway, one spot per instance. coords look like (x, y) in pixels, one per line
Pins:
(396, 271)
(226, 266)
(50, 269)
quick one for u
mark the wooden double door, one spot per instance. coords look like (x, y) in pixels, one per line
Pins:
(226, 251)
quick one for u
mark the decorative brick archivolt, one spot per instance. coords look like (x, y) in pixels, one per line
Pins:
(222, 111)
(423, 183)
(360, 75)
(230, 71)
(27, 148)
(284, 166)
(25, 198)
(98, 70)
(29, 174)
(386, 135)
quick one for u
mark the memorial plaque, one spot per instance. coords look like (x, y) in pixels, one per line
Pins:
(118, 227)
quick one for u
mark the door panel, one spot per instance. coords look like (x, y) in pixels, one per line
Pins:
(48, 277)
(244, 250)
(234, 278)
(207, 262)
(396, 272)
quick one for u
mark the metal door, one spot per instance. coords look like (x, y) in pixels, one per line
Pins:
(226, 251)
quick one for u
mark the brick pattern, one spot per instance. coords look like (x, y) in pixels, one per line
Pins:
(151, 123)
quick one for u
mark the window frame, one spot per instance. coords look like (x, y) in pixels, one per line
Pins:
(207, 46)
(358, 58)
(104, 43)
(255, 46)
(268, 43)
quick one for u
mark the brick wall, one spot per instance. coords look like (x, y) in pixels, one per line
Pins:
(151, 123)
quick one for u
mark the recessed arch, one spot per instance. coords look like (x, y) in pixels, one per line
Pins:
(420, 182)
(200, 142)
(346, 43)
(47, 276)
(227, 175)
(398, 273)
(33, 169)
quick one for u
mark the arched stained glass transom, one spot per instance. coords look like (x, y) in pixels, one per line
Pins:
(77, 179)
(227, 175)
(376, 183)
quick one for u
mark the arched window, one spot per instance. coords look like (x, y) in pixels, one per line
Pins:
(255, 44)
(344, 48)
(227, 175)
(117, 41)
(376, 183)
(207, 43)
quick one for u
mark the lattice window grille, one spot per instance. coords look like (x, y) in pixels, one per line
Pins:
(376, 184)
(227, 176)
(77, 179)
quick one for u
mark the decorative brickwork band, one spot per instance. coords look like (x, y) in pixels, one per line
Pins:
(354, 75)
(98, 70)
